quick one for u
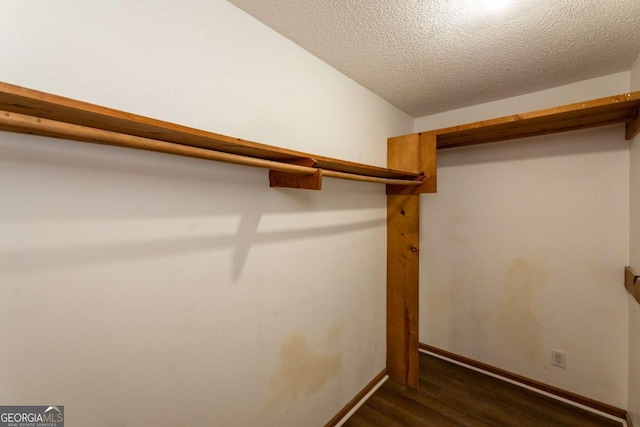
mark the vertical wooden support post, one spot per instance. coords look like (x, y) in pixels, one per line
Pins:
(413, 153)
(403, 229)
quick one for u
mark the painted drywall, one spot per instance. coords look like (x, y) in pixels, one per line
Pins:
(143, 289)
(523, 246)
(634, 259)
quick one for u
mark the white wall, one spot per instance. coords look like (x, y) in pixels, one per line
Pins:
(144, 289)
(524, 244)
(634, 308)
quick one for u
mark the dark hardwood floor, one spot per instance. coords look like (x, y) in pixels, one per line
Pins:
(451, 395)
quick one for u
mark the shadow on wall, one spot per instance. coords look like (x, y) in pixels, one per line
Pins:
(247, 236)
(572, 144)
(150, 205)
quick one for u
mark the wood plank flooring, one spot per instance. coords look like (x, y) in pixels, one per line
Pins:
(451, 395)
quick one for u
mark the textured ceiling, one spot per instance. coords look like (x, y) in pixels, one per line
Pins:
(428, 56)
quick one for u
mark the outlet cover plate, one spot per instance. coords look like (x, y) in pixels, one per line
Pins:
(559, 359)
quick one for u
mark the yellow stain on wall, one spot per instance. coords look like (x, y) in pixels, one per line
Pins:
(519, 322)
(303, 372)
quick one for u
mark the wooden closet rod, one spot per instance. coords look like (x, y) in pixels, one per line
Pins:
(365, 178)
(21, 123)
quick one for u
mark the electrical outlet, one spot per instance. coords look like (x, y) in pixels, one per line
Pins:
(559, 359)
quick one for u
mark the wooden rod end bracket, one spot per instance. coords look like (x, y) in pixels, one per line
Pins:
(429, 185)
(632, 283)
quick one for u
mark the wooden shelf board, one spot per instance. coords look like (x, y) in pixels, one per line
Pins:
(599, 112)
(30, 102)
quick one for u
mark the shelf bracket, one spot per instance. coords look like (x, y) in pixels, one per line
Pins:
(632, 283)
(633, 127)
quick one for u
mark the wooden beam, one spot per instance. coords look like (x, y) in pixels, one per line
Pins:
(428, 161)
(424, 150)
(403, 229)
(633, 126)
